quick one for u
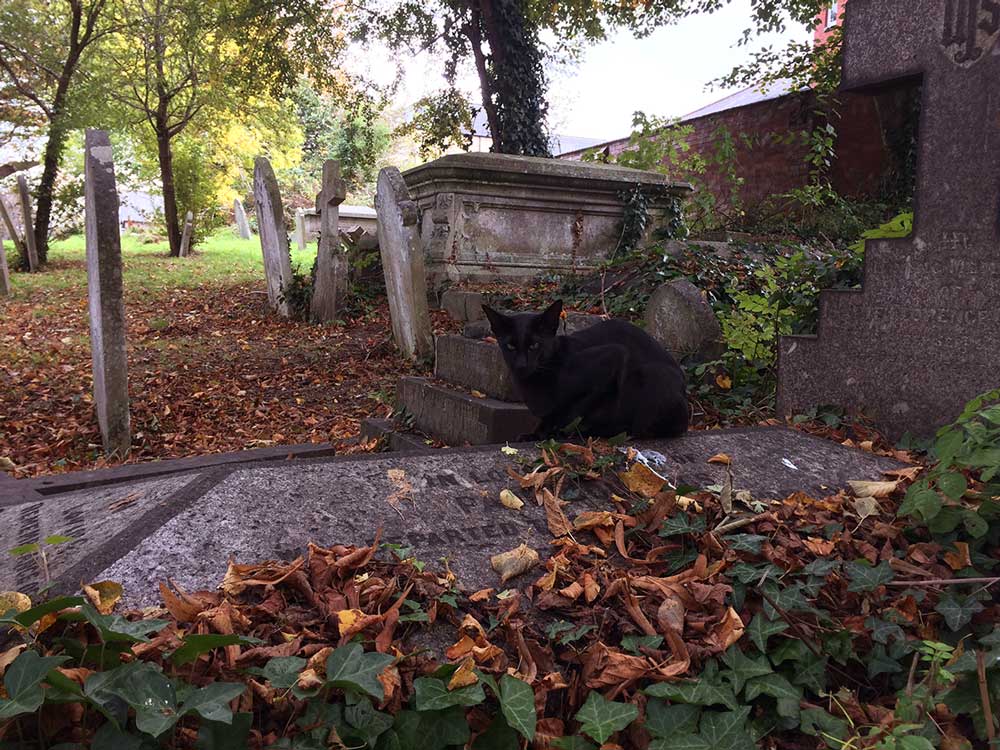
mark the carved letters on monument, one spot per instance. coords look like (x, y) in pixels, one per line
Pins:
(922, 337)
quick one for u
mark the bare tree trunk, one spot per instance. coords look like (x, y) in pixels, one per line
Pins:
(43, 207)
(166, 159)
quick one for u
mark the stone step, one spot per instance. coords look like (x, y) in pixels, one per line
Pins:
(462, 305)
(373, 428)
(458, 418)
(476, 365)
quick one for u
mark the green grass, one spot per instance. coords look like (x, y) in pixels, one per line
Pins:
(222, 259)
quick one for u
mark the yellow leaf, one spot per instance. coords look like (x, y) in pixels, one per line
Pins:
(642, 480)
(509, 500)
(478, 394)
(720, 458)
(724, 382)
(347, 617)
(104, 595)
(14, 600)
(558, 524)
(873, 489)
(464, 675)
(514, 562)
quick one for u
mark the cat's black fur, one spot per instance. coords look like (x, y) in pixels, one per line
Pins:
(612, 377)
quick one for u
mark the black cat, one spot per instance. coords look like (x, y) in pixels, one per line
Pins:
(604, 380)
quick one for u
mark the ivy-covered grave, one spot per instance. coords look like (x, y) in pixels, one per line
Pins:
(673, 617)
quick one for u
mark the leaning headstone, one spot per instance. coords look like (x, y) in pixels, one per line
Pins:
(186, 236)
(29, 222)
(680, 318)
(105, 295)
(331, 260)
(242, 225)
(403, 264)
(273, 238)
(922, 336)
(11, 229)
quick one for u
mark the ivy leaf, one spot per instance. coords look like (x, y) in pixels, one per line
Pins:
(632, 643)
(727, 730)
(349, 667)
(517, 701)
(743, 668)
(681, 741)
(195, 645)
(746, 542)
(880, 662)
(30, 616)
(217, 735)
(141, 686)
(498, 736)
(775, 685)
(761, 628)
(665, 721)
(115, 628)
(433, 694)
(818, 723)
(600, 718)
(282, 671)
(366, 722)
(682, 524)
(821, 566)
(957, 614)
(882, 631)
(703, 692)
(23, 683)
(212, 701)
(865, 577)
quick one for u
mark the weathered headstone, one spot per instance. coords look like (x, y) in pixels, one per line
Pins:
(240, 215)
(29, 223)
(923, 335)
(186, 526)
(680, 318)
(186, 235)
(11, 229)
(331, 260)
(4, 271)
(403, 264)
(273, 238)
(105, 295)
(299, 234)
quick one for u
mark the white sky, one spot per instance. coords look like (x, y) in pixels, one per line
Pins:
(664, 74)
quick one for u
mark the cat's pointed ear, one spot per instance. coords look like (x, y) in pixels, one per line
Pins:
(549, 319)
(499, 322)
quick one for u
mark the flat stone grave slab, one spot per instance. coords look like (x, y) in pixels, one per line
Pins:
(186, 527)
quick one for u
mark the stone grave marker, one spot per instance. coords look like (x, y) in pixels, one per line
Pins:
(331, 260)
(403, 264)
(240, 215)
(299, 233)
(186, 235)
(11, 229)
(682, 320)
(922, 336)
(105, 295)
(187, 525)
(29, 223)
(273, 238)
(4, 270)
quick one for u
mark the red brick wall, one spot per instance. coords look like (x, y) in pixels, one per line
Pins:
(822, 28)
(771, 151)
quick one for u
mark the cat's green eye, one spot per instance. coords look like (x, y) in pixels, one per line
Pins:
(534, 346)
(510, 347)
